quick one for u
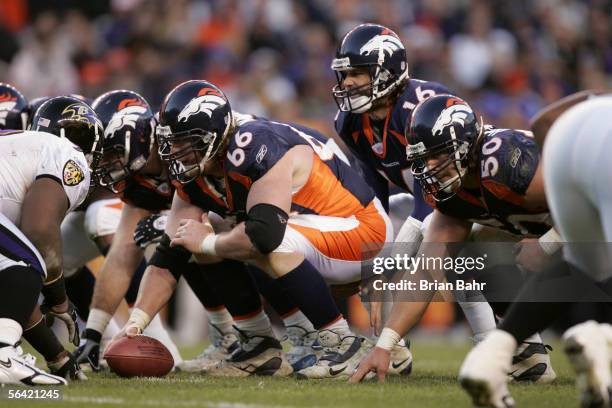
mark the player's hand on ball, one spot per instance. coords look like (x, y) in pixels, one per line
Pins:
(530, 255)
(129, 330)
(376, 361)
(191, 233)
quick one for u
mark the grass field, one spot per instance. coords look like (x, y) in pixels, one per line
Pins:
(432, 384)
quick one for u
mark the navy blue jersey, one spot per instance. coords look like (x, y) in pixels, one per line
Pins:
(508, 161)
(334, 188)
(147, 192)
(381, 147)
(205, 192)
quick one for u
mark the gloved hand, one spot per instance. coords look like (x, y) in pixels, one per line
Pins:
(66, 312)
(150, 229)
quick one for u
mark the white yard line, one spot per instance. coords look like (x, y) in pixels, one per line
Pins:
(174, 403)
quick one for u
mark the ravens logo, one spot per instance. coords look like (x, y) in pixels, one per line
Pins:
(73, 174)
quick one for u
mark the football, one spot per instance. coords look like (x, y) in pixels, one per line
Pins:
(139, 356)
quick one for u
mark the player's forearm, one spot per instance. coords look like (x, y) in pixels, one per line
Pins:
(155, 290)
(235, 244)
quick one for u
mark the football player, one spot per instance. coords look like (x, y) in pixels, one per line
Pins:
(473, 174)
(43, 177)
(270, 170)
(576, 133)
(376, 98)
(128, 141)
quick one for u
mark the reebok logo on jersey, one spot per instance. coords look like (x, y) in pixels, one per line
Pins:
(261, 153)
(72, 173)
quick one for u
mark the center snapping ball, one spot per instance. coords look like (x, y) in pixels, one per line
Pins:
(139, 356)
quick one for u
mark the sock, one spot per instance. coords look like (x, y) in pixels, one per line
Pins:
(273, 292)
(80, 288)
(257, 324)
(10, 332)
(297, 318)
(221, 319)
(235, 285)
(201, 286)
(306, 287)
(340, 326)
(96, 324)
(480, 317)
(132, 292)
(43, 340)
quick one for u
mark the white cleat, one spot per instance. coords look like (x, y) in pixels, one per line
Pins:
(341, 358)
(19, 368)
(401, 360)
(484, 372)
(532, 363)
(586, 346)
(257, 355)
(222, 347)
(305, 350)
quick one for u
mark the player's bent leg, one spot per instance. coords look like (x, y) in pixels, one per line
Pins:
(19, 290)
(484, 372)
(587, 349)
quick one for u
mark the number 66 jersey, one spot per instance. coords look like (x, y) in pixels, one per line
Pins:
(334, 215)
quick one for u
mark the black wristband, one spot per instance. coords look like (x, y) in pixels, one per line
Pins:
(93, 335)
(55, 292)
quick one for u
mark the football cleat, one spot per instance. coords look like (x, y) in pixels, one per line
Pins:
(257, 355)
(484, 372)
(19, 368)
(341, 357)
(305, 350)
(67, 367)
(532, 363)
(221, 348)
(401, 360)
(88, 356)
(586, 347)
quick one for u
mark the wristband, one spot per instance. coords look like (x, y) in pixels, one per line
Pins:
(139, 318)
(55, 292)
(388, 339)
(207, 247)
(550, 242)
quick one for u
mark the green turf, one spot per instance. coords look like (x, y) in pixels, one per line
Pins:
(432, 384)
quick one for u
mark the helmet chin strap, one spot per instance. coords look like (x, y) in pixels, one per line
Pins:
(364, 103)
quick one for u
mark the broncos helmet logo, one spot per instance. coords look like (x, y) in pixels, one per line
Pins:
(385, 43)
(5, 108)
(207, 101)
(124, 117)
(454, 114)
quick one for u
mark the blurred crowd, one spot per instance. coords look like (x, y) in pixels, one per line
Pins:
(272, 57)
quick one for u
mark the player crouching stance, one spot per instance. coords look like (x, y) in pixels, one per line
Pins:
(42, 177)
(302, 213)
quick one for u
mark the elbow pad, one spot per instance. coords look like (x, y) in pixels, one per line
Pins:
(170, 258)
(265, 226)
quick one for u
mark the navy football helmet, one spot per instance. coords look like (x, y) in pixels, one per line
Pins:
(194, 120)
(13, 108)
(378, 49)
(129, 128)
(444, 128)
(70, 118)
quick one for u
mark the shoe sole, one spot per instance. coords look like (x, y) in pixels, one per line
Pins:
(586, 380)
(481, 394)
